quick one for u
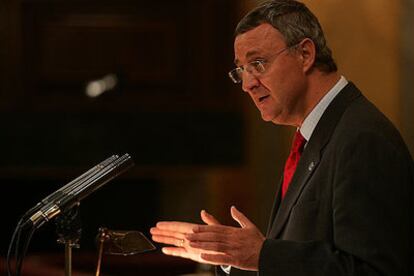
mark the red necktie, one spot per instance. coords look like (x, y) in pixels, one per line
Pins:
(292, 161)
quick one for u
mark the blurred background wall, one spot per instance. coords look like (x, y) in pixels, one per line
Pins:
(197, 140)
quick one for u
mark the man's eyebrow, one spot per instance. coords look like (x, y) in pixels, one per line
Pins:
(248, 54)
(252, 53)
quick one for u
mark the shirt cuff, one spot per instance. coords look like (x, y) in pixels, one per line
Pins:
(226, 268)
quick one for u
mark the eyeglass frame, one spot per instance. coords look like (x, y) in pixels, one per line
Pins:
(259, 63)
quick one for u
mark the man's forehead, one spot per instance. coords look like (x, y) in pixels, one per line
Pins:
(256, 41)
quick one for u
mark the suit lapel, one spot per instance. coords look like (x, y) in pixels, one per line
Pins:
(310, 159)
(276, 204)
(304, 170)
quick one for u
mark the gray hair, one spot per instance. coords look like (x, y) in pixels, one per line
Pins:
(295, 22)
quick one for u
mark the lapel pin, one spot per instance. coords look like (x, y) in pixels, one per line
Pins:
(311, 166)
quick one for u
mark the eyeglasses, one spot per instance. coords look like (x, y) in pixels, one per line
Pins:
(256, 67)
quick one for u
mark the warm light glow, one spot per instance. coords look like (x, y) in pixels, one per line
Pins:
(97, 87)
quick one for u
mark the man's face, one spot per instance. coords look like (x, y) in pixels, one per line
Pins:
(278, 92)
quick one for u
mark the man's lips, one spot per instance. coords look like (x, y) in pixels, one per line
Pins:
(263, 98)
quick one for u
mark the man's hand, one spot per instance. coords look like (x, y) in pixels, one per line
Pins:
(173, 233)
(213, 243)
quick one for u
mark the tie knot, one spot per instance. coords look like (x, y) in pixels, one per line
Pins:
(298, 142)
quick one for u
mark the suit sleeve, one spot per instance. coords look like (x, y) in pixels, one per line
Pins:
(372, 212)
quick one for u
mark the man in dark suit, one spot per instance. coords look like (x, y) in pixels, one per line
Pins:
(345, 203)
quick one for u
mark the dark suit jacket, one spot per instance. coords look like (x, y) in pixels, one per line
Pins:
(349, 207)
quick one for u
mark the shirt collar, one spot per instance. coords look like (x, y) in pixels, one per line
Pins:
(310, 122)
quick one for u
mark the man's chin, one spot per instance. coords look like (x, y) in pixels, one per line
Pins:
(273, 119)
(267, 117)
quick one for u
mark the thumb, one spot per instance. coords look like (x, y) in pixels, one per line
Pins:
(240, 218)
(209, 219)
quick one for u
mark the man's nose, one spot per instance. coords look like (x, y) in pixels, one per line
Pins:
(249, 82)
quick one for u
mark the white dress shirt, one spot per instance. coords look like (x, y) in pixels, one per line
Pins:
(310, 122)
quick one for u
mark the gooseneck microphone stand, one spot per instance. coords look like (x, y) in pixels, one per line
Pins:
(68, 229)
(63, 205)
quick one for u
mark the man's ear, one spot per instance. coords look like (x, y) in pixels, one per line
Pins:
(307, 50)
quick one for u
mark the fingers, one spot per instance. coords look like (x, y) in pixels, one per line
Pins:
(209, 219)
(175, 251)
(182, 252)
(167, 237)
(179, 242)
(212, 243)
(213, 225)
(160, 232)
(171, 232)
(210, 239)
(176, 226)
(241, 218)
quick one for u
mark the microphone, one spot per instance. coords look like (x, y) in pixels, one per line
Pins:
(60, 193)
(72, 193)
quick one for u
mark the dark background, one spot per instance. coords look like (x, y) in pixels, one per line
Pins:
(174, 108)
